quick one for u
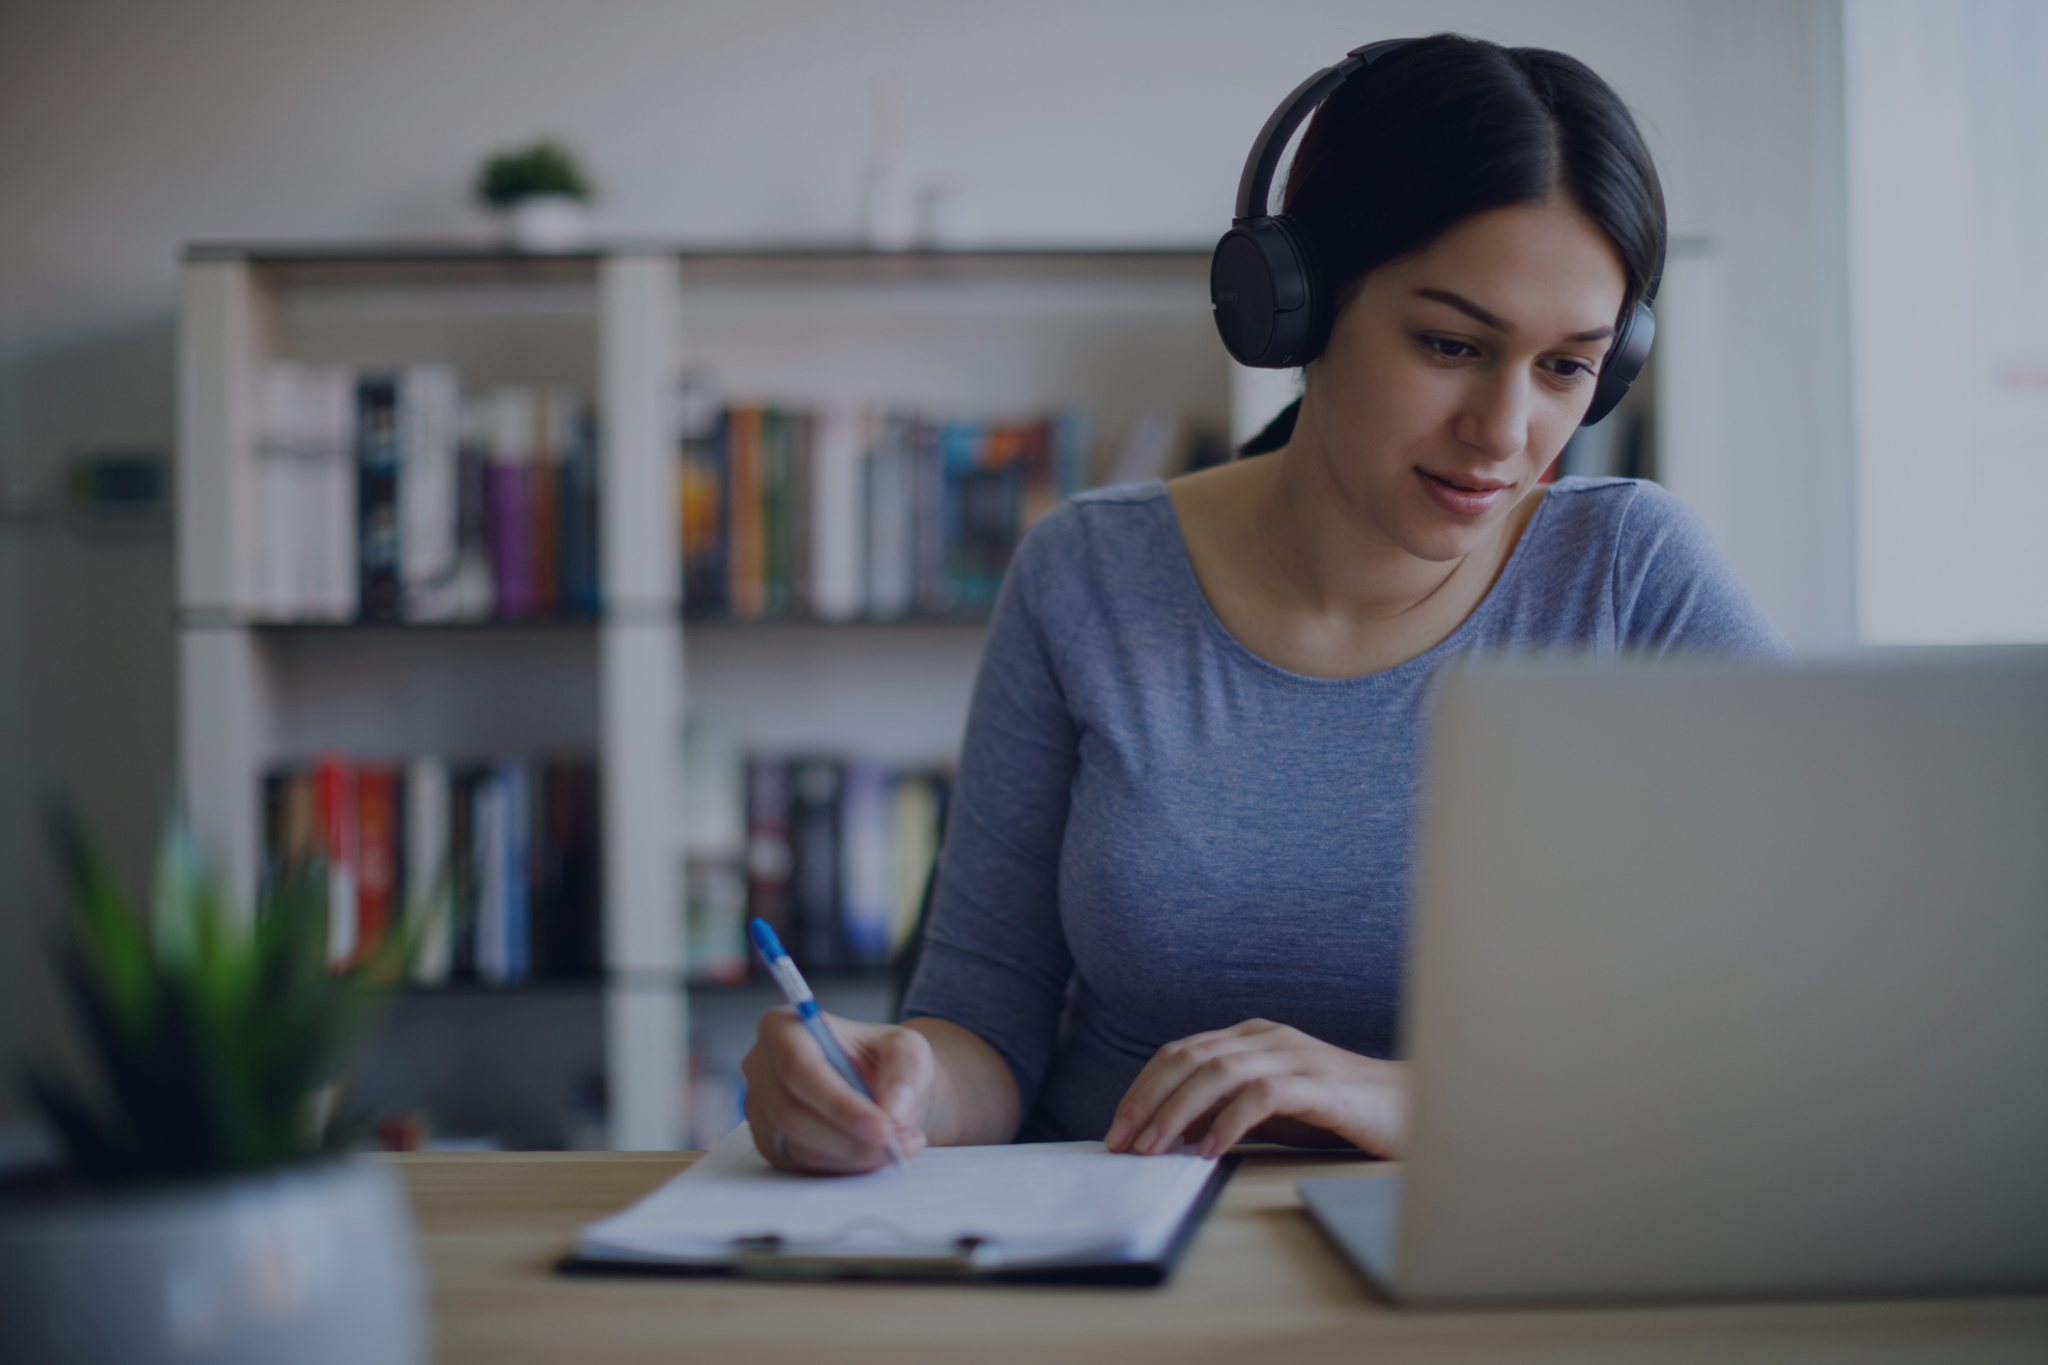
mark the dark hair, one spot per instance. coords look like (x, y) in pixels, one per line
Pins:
(1448, 127)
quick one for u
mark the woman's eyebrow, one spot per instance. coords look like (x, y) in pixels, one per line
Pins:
(1486, 319)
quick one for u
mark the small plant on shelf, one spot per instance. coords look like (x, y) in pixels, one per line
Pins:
(539, 169)
(540, 195)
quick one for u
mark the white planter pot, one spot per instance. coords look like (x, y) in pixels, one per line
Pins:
(547, 222)
(311, 1265)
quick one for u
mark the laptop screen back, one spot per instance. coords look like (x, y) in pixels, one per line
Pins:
(1730, 982)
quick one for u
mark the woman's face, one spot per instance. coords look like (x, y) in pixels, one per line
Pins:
(1454, 377)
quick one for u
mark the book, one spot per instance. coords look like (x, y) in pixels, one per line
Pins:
(380, 592)
(815, 935)
(837, 527)
(914, 845)
(747, 581)
(334, 806)
(768, 851)
(867, 849)
(569, 905)
(509, 459)
(706, 513)
(515, 798)
(491, 840)
(889, 491)
(377, 854)
(428, 875)
(581, 589)
(1042, 1210)
(429, 477)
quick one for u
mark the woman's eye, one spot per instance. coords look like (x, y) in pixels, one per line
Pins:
(1450, 348)
(1570, 369)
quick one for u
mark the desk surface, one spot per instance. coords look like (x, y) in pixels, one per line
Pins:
(1259, 1284)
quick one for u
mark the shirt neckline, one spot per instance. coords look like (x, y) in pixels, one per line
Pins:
(1423, 662)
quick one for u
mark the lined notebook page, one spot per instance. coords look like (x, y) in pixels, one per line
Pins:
(1037, 1203)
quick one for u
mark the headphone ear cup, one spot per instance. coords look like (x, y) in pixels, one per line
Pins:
(1624, 362)
(1263, 288)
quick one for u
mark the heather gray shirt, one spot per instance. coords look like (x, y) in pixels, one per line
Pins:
(1156, 833)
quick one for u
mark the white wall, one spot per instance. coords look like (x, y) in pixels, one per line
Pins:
(129, 127)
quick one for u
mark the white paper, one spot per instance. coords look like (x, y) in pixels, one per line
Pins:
(1028, 1203)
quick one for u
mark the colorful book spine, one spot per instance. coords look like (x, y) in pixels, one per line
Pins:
(334, 797)
(768, 853)
(706, 516)
(381, 586)
(776, 506)
(508, 477)
(377, 872)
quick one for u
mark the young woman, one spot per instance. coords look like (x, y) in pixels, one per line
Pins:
(1171, 901)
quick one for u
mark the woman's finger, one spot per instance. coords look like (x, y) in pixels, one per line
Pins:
(1204, 1091)
(1169, 1069)
(1265, 1098)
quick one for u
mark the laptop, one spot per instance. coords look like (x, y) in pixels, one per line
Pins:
(1723, 983)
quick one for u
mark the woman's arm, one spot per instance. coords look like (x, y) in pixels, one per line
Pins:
(985, 1002)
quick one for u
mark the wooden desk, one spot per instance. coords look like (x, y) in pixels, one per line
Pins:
(1259, 1284)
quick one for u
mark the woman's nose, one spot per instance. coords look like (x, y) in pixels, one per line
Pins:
(1495, 417)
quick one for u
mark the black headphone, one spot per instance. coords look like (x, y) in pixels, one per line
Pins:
(1271, 309)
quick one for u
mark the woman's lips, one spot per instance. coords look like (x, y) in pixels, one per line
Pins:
(1466, 495)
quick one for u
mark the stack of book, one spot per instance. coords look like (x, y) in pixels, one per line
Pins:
(840, 513)
(386, 496)
(833, 853)
(496, 863)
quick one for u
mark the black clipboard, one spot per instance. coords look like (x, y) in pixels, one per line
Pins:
(767, 1259)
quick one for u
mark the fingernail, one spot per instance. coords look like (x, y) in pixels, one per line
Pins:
(896, 1099)
(1116, 1134)
(1146, 1139)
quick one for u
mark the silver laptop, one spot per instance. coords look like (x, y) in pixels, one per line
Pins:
(1724, 983)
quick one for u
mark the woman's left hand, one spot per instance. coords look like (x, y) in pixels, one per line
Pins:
(1262, 1078)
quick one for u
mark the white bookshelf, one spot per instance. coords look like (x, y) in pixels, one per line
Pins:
(1114, 332)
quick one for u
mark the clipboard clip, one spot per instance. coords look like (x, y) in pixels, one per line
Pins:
(771, 1257)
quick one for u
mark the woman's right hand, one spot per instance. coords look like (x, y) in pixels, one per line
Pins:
(804, 1115)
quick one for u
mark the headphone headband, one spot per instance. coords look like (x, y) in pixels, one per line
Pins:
(1255, 186)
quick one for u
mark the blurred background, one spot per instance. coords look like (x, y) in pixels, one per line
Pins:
(1850, 387)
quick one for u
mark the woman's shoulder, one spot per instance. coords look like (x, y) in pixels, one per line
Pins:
(1653, 560)
(1628, 516)
(1099, 539)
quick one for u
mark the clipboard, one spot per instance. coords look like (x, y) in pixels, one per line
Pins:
(655, 1237)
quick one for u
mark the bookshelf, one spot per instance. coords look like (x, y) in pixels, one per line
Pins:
(1114, 332)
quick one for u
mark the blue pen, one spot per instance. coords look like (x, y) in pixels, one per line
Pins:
(799, 992)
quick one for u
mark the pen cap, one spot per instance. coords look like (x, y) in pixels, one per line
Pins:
(765, 940)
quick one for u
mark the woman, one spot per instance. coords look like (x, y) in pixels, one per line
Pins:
(1171, 901)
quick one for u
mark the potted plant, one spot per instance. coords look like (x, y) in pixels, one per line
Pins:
(209, 1209)
(540, 195)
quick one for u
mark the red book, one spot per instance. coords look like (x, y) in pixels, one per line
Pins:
(376, 855)
(334, 807)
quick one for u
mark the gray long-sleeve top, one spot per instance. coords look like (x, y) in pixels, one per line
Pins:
(1156, 832)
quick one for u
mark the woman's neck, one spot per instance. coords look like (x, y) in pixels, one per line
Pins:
(1304, 578)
